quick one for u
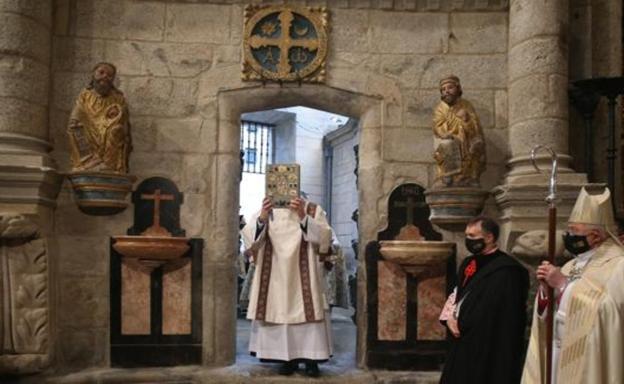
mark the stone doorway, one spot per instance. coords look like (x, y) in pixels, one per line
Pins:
(325, 145)
(231, 104)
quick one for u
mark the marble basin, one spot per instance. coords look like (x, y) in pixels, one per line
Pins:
(151, 251)
(419, 258)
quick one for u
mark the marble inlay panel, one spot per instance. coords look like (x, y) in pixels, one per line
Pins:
(392, 309)
(176, 303)
(431, 298)
(135, 301)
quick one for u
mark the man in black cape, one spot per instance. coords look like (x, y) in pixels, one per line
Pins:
(486, 313)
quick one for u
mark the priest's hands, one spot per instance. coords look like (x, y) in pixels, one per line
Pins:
(251, 255)
(297, 205)
(453, 326)
(550, 276)
(267, 207)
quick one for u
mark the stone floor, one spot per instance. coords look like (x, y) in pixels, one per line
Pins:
(343, 334)
(340, 369)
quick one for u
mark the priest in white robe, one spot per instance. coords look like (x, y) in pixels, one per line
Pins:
(288, 306)
(588, 341)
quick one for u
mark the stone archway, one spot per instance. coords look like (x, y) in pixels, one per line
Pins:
(222, 217)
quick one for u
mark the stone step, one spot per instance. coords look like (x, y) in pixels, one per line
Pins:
(236, 374)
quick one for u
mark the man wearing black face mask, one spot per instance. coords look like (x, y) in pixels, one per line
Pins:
(589, 299)
(486, 313)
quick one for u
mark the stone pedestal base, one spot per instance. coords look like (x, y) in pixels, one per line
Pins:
(451, 208)
(28, 176)
(26, 364)
(521, 198)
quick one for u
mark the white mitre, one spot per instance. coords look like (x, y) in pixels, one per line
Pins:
(595, 210)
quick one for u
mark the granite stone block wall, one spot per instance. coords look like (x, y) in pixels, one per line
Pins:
(179, 66)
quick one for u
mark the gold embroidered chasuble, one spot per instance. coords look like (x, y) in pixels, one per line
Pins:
(592, 344)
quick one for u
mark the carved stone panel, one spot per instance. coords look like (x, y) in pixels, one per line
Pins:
(24, 314)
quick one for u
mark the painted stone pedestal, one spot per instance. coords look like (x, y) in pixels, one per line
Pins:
(451, 208)
(101, 193)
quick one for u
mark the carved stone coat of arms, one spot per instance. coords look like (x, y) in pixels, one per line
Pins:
(285, 43)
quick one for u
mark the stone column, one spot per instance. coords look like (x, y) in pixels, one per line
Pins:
(28, 177)
(538, 114)
(29, 184)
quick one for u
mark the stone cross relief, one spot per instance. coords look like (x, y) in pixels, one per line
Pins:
(410, 206)
(409, 231)
(156, 229)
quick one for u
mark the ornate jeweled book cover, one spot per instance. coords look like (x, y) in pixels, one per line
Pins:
(282, 183)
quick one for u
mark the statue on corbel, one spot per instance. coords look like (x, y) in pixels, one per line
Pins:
(459, 153)
(100, 145)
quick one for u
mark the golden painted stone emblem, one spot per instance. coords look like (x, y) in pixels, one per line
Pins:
(284, 43)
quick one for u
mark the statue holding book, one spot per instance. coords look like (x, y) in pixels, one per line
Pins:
(460, 151)
(459, 154)
(99, 128)
(100, 145)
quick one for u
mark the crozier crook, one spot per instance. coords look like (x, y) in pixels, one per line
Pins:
(552, 230)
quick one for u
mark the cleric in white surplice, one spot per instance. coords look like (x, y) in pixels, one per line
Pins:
(288, 304)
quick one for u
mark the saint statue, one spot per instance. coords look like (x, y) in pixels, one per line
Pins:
(460, 151)
(99, 128)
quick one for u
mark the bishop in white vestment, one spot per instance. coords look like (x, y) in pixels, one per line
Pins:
(588, 342)
(288, 305)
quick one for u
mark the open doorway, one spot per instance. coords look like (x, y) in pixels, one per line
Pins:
(325, 146)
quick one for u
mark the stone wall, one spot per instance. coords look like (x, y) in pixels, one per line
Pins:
(595, 51)
(285, 139)
(344, 199)
(179, 66)
(312, 125)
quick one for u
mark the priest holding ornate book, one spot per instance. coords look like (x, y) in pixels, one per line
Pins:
(288, 306)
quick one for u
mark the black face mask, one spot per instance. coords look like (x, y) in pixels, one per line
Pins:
(576, 244)
(475, 246)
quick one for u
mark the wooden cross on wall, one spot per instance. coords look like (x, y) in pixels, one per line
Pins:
(156, 229)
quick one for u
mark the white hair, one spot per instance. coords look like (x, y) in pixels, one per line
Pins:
(601, 229)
